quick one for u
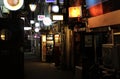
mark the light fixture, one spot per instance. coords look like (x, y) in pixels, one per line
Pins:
(37, 29)
(37, 24)
(75, 12)
(27, 28)
(47, 21)
(13, 4)
(55, 8)
(32, 7)
(32, 21)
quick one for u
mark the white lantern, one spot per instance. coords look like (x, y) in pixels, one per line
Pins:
(13, 4)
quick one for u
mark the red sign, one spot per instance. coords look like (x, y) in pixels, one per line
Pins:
(41, 17)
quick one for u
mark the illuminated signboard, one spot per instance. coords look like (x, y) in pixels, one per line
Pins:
(57, 17)
(50, 1)
(91, 3)
(75, 12)
(40, 17)
(95, 7)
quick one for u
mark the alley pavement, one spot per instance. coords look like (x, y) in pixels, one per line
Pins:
(34, 69)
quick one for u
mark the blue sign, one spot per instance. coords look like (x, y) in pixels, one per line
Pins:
(50, 1)
(91, 3)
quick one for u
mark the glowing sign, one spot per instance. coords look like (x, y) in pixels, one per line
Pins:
(57, 17)
(40, 17)
(75, 12)
(50, 1)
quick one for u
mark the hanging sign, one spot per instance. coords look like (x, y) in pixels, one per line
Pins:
(40, 17)
(75, 12)
(57, 17)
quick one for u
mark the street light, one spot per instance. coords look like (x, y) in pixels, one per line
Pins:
(32, 8)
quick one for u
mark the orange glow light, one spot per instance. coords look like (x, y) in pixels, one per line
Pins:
(75, 12)
(96, 10)
(13, 2)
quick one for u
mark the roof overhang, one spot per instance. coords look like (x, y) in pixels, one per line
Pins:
(111, 18)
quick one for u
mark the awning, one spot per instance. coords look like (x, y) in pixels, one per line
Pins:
(111, 18)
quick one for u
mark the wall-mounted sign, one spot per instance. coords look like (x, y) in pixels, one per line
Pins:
(57, 17)
(27, 28)
(40, 17)
(32, 21)
(13, 4)
(50, 1)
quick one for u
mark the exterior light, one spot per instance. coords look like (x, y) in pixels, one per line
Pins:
(27, 28)
(37, 29)
(47, 21)
(23, 18)
(32, 7)
(43, 38)
(75, 12)
(13, 4)
(2, 36)
(55, 8)
(37, 24)
(32, 21)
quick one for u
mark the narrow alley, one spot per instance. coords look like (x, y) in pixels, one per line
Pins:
(34, 69)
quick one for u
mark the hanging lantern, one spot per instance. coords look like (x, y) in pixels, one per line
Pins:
(75, 12)
(32, 7)
(13, 4)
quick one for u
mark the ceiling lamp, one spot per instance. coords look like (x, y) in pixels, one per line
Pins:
(13, 4)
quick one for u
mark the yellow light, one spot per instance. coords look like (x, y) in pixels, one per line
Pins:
(2, 37)
(43, 38)
(75, 12)
(32, 7)
(57, 38)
